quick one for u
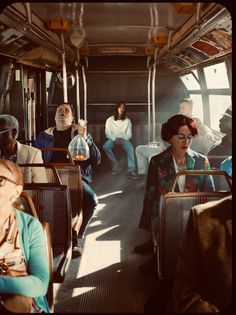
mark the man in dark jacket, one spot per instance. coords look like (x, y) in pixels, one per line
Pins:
(223, 148)
(60, 136)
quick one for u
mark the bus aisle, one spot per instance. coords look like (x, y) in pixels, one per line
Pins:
(106, 279)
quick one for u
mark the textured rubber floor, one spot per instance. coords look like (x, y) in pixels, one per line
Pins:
(106, 279)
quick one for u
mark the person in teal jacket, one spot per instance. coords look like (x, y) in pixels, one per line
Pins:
(28, 272)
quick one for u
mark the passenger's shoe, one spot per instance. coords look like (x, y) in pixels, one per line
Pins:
(149, 267)
(76, 248)
(133, 175)
(144, 248)
(116, 169)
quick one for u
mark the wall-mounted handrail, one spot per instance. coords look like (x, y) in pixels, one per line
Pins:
(179, 42)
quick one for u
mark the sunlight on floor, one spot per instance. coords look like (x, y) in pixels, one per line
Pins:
(106, 253)
(78, 291)
(110, 194)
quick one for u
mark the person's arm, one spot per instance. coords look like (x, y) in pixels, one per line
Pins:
(108, 130)
(35, 284)
(39, 174)
(128, 130)
(190, 277)
(38, 143)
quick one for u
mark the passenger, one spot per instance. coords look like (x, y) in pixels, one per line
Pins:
(118, 130)
(24, 268)
(186, 107)
(179, 131)
(224, 147)
(205, 139)
(144, 152)
(12, 150)
(59, 137)
(203, 281)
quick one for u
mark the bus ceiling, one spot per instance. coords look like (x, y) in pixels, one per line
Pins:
(178, 35)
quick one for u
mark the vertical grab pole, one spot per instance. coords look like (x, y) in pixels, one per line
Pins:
(77, 85)
(153, 98)
(153, 104)
(77, 90)
(149, 103)
(64, 74)
(85, 94)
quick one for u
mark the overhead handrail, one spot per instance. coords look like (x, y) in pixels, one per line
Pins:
(206, 22)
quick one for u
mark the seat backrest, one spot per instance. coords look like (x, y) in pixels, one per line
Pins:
(51, 172)
(29, 205)
(70, 175)
(174, 210)
(53, 205)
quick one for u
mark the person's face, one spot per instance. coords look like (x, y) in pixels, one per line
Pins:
(9, 189)
(121, 109)
(185, 109)
(7, 136)
(225, 124)
(64, 114)
(182, 140)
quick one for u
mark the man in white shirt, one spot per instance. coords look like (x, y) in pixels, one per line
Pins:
(205, 139)
(186, 107)
(118, 130)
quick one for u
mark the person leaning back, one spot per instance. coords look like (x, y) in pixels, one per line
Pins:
(60, 136)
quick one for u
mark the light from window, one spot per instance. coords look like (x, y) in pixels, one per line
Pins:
(197, 106)
(48, 78)
(196, 73)
(216, 76)
(218, 105)
(190, 82)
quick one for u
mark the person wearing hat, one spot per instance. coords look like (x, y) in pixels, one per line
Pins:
(225, 146)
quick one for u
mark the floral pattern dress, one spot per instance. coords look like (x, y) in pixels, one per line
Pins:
(160, 176)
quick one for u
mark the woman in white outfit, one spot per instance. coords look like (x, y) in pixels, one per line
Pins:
(118, 130)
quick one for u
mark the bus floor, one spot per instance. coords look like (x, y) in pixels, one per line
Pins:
(106, 278)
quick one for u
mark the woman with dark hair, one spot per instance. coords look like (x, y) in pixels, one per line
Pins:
(179, 131)
(120, 114)
(118, 130)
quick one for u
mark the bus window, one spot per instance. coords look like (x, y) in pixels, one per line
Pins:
(190, 82)
(197, 105)
(218, 105)
(216, 76)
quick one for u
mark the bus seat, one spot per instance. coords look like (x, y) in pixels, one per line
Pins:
(70, 175)
(52, 203)
(174, 212)
(52, 174)
(29, 205)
